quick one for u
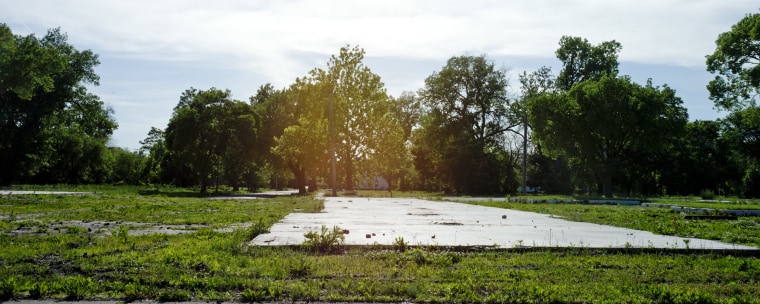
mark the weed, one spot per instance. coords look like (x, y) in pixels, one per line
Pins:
(78, 288)
(39, 290)
(326, 241)
(8, 287)
(299, 269)
(253, 295)
(135, 291)
(400, 245)
(174, 295)
(122, 233)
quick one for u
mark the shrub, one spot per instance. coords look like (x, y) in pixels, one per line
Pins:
(707, 194)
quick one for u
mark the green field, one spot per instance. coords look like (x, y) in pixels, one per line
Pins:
(105, 246)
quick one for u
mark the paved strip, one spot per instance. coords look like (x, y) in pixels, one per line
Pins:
(30, 192)
(420, 222)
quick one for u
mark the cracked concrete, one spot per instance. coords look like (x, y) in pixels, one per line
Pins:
(420, 222)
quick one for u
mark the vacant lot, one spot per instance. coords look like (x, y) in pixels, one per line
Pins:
(127, 253)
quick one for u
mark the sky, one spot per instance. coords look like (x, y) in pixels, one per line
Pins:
(151, 51)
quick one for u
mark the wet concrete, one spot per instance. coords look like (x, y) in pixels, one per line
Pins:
(419, 222)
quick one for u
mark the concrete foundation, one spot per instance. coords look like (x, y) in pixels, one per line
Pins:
(421, 222)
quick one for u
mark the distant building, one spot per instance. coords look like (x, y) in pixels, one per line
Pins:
(374, 183)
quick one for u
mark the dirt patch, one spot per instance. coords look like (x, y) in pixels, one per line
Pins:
(107, 228)
(448, 223)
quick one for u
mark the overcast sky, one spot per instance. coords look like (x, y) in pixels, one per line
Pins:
(151, 51)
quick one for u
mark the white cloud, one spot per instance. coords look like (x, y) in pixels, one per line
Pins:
(243, 44)
(674, 32)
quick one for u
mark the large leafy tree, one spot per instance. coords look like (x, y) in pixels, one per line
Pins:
(49, 123)
(600, 123)
(367, 134)
(468, 114)
(209, 135)
(735, 60)
(302, 145)
(742, 131)
(600, 120)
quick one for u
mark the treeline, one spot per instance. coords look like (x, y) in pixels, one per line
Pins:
(586, 129)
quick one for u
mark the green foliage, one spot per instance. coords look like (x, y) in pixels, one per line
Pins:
(51, 129)
(174, 295)
(8, 288)
(400, 245)
(202, 265)
(461, 136)
(707, 194)
(78, 287)
(582, 61)
(325, 241)
(735, 60)
(210, 135)
(600, 123)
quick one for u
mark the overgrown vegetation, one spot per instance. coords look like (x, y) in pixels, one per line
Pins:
(215, 263)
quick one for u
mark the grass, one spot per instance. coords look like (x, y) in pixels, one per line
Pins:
(212, 264)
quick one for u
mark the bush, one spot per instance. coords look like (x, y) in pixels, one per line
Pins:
(707, 194)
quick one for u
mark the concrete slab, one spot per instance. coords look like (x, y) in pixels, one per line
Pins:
(31, 192)
(267, 194)
(422, 222)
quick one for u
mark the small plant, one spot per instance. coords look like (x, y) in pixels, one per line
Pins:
(253, 295)
(400, 245)
(8, 287)
(122, 233)
(300, 269)
(135, 291)
(326, 241)
(39, 290)
(78, 287)
(173, 295)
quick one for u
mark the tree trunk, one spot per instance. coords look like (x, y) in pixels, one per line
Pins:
(349, 174)
(300, 175)
(203, 186)
(313, 185)
(607, 185)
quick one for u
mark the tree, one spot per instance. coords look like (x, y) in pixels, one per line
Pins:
(361, 115)
(469, 113)
(154, 146)
(600, 122)
(534, 84)
(736, 59)
(209, 135)
(276, 111)
(742, 131)
(582, 61)
(302, 145)
(48, 120)
(128, 167)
